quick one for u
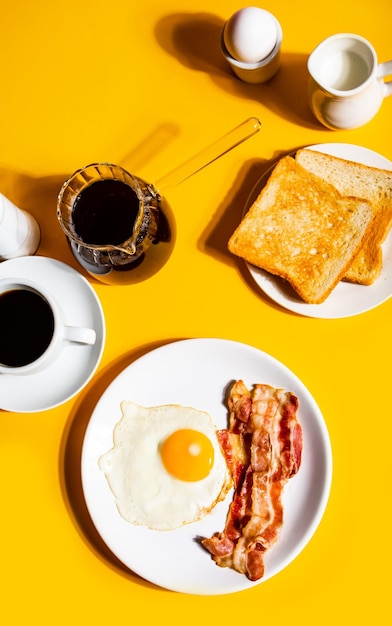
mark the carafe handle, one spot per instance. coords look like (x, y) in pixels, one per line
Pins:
(208, 155)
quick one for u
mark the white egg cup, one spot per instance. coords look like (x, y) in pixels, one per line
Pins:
(262, 70)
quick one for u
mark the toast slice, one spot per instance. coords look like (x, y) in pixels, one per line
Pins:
(370, 183)
(302, 229)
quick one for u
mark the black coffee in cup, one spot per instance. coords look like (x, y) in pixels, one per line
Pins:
(26, 326)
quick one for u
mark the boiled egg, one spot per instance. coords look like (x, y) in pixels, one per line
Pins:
(166, 467)
(250, 34)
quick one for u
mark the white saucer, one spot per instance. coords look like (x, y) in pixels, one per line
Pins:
(76, 364)
(347, 299)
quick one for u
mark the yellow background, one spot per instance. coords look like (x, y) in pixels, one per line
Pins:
(144, 84)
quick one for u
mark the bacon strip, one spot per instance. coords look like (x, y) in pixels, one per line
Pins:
(263, 448)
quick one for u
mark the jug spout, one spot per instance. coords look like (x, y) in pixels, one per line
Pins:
(130, 250)
(129, 247)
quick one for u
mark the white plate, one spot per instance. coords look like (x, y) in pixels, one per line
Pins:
(198, 372)
(75, 366)
(346, 299)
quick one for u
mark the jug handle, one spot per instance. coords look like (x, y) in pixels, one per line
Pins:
(208, 155)
(385, 69)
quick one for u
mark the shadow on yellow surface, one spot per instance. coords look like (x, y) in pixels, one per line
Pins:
(153, 143)
(38, 196)
(229, 213)
(70, 460)
(194, 39)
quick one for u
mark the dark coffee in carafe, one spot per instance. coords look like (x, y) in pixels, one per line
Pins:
(118, 227)
(105, 212)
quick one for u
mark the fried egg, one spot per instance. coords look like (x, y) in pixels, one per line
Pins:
(166, 468)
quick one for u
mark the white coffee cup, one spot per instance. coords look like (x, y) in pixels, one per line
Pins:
(32, 328)
(19, 231)
(346, 85)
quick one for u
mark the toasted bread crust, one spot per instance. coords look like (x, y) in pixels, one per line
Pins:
(302, 229)
(370, 183)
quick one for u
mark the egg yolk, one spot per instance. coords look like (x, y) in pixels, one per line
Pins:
(188, 455)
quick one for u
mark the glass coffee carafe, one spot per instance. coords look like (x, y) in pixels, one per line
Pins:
(119, 227)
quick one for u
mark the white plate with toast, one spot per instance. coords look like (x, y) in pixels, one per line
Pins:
(198, 373)
(347, 299)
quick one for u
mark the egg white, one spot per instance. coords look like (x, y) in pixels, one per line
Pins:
(145, 493)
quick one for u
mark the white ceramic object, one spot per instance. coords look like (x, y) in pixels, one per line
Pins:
(258, 71)
(19, 232)
(346, 86)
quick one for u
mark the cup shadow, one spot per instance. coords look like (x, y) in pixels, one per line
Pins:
(194, 39)
(70, 463)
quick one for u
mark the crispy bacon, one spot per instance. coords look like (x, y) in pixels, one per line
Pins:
(263, 447)
(236, 449)
(240, 406)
